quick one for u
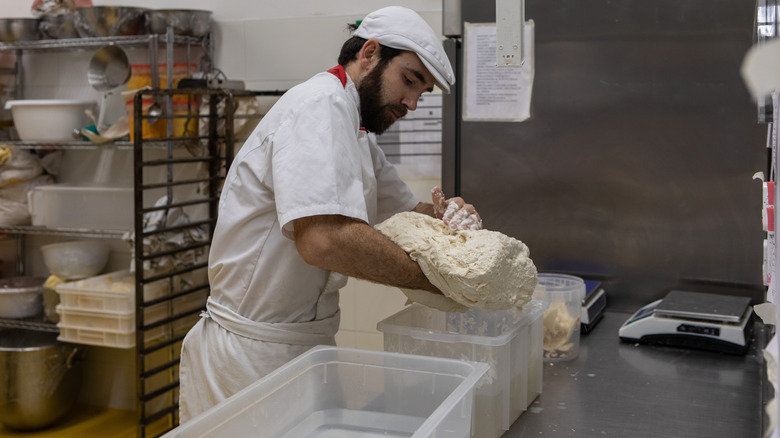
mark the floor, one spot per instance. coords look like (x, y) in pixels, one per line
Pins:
(85, 422)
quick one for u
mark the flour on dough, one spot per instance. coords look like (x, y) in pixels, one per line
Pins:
(478, 269)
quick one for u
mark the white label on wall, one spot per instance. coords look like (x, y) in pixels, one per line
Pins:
(494, 93)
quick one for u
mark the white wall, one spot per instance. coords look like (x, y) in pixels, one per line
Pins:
(270, 45)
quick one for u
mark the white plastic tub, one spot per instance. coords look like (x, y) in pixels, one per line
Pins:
(50, 120)
(338, 392)
(82, 207)
(509, 341)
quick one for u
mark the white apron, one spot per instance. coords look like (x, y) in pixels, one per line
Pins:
(223, 333)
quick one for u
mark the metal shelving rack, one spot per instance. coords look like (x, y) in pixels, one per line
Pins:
(156, 405)
(151, 41)
(159, 342)
(161, 321)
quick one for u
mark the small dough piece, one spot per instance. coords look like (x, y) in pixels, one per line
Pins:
(558, 328)
(478, 269)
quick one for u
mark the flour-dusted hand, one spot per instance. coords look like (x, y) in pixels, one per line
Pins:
(455, 212)
(439, 202)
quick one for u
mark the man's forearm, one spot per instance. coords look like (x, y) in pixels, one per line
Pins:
(353, 248)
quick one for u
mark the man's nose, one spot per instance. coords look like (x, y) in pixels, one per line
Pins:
(410, 102)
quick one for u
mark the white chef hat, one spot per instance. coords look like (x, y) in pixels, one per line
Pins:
(402, 28)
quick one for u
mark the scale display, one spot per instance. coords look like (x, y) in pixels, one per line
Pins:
(693, 320)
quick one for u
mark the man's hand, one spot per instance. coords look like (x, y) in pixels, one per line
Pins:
(455, 212)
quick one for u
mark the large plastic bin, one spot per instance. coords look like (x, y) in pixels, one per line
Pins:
(509, 341)
(339, 392)
(81, 206)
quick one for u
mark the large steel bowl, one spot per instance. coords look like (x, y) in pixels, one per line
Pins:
(41, 378)
(102, 21)
(190, 22)
(18, 29)
(59, 26)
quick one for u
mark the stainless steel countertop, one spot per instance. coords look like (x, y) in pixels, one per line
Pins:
(628, 390)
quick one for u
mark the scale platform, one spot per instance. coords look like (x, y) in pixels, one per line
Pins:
(693, 320)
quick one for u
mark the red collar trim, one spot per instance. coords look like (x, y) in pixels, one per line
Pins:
(340, 73)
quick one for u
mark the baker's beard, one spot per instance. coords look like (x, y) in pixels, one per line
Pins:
(376, 116)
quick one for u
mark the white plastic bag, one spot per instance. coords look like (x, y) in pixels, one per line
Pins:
(19, 165)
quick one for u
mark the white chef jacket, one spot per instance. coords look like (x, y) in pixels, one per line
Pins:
(307, 157)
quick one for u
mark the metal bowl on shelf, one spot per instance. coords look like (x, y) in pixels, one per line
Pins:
(106, 21)
(14, 30)
(41, 378)
(59, 26)
(21, 297)
(189, 22)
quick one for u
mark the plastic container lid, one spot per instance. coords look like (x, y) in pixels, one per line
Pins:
(417, 322)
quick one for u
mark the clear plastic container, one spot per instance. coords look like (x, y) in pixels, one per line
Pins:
(564, 294)
(141, 74)
(509, 341)
(85, 206)
(341, 392)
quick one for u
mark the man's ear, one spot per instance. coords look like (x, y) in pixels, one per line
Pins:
(369, 54)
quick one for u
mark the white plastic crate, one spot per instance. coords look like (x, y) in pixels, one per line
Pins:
(112, 292)
(509, 341)
(339, 392)
(77, 318)
(105, 338)
(114, 321)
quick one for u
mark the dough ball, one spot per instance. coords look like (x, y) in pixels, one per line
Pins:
(478, 269)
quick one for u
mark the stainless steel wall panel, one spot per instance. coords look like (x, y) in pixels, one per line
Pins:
(636, 163)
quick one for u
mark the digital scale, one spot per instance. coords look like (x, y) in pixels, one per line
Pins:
(694, 320)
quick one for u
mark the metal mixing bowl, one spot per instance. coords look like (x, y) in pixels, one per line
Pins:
(191, 22)
(18, 29)
(41, 378)
(21, 297)
(59, 26)
(102, 21)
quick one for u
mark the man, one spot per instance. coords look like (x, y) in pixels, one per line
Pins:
(298, 205)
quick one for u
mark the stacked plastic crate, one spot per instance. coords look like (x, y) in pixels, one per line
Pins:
(101, 310)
